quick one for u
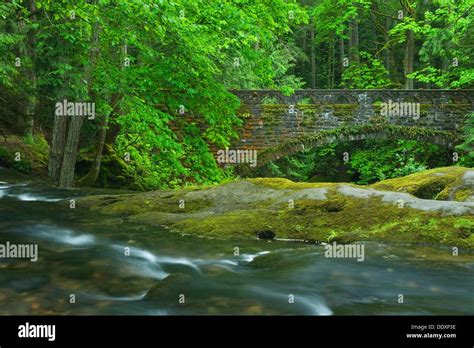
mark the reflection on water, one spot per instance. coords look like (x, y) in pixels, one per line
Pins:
(112, 267)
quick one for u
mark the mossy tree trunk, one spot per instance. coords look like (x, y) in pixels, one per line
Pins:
(313, 56)
(66, 178)
(91, 177)
(409, 58)
(389, 59)
(354, 41)
(57, 147)
(31, 97)
(409, 54)
(342, 53)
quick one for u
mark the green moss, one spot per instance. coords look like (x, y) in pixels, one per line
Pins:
(309, 115)
(127, 205)
(304, 101)
(33, 154)
(439, 183)
(353, 219)
(169, 287)
(311, 206)
(225, 212)
(273, 114)
(114, 171)
(345, 112)
(463, 194)
(266, 261)
(285, 184)
(237, 224)
(244, 111)
(276, 262)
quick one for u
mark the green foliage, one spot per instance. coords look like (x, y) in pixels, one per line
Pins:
(368, 161)
(8, 41)
(183, 55)
(378, 161)
(370, 73)
(448, 47)
(187, 54)
(467, 147)
(7, 159)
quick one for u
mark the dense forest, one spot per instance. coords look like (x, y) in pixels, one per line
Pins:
(136, 67)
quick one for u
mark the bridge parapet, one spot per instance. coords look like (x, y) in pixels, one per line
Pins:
(272, 118)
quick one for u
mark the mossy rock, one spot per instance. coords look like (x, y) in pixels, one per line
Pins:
(309, 206)
(168, 288)
(134, 204)
(271, 260)
(277, 262)
(123, 287)
(447, 183)
(286, 184)
(33, 154)
(320, 212)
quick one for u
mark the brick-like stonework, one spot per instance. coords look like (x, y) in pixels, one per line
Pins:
(272, 118)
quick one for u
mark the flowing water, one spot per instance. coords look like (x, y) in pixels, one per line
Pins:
(110, 266)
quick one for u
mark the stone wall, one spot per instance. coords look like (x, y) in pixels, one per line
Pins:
(272, 118)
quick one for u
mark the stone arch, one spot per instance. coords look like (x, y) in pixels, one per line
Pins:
(459, 99)
(467, 97)
(386, 132)
(342, 99)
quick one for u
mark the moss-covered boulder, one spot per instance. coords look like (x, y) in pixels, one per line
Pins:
(168, 288)
(304, 211)
(448, 183)
(27, 156)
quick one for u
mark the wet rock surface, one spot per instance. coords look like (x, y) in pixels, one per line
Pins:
(322, 212)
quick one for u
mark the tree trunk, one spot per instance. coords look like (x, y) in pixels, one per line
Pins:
(30, 107)
(313, 56)
(91, 177)
(330, 71)
(31, 98)
(388, 51)
(354, 41)
(409, 57)
(112, 133)
(305, 48)
(66, 178)
(57, 147)
(341, 53)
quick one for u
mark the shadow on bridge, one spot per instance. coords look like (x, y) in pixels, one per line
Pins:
(292, 146)
(277, 125)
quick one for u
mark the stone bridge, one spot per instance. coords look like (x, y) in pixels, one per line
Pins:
(277, 125)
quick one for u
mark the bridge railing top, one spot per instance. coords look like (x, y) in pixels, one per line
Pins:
(358, 96)
(357, 90)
